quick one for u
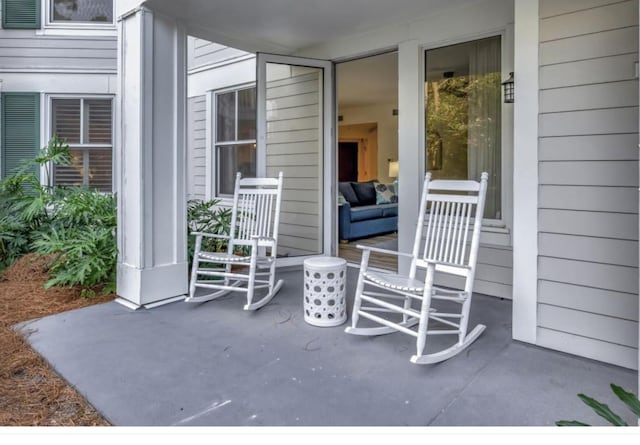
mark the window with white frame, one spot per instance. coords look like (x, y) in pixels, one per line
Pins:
(235, 137)
(93, 12)
(85, 124)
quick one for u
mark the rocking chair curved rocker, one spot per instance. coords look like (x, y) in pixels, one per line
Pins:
(249, 264)
(446, 213)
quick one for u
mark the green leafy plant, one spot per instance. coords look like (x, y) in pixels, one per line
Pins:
(603, 410)
(81, 239)
(209, 217)
(75, 225)
(25, 203)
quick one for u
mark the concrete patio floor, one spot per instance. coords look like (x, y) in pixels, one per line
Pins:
(215, 364)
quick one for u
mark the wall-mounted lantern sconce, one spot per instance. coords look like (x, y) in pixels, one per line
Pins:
(508, 86)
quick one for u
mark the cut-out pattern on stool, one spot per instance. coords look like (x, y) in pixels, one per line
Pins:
(324, 291)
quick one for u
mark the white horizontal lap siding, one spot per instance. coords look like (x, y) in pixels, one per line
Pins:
(294, 148)
(204, 53)
(588, 176)
(494, 273)
(196, 150)
(24, 50)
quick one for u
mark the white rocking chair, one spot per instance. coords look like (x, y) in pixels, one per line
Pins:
(251, 246)
(443, 224)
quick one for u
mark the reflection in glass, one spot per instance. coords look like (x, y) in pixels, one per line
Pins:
(247, 114)
(97, 119)
(86, 126)
(226, 117)
(463, 115)
(232, 159)
(100, 169)
(82, 11)
(91, 167)
(294, 146)
(70, 174)
(66, 119)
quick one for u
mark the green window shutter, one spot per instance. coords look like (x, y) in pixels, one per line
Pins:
(20, 129)
(21, 14)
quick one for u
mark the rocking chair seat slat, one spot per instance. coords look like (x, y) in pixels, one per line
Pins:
(223, 257)
(408, 284)
(393, 281)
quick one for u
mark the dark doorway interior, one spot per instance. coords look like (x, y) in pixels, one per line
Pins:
(347, 161)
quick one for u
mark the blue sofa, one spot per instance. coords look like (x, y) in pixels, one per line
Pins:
(359, 216)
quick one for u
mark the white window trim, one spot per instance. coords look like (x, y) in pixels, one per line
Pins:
(494, 231)
(88, 29)
(48, 133)
(211, 191)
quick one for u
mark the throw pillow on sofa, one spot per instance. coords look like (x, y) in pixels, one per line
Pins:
(366, 192)
(348, 193)
(385, 193)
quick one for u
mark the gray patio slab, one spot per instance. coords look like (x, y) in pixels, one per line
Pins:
(217, 365)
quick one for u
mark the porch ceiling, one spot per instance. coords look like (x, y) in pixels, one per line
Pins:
(287, 26)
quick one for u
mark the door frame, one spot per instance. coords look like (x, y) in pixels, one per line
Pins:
(329, 153)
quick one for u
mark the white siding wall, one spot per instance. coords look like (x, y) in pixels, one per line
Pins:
(196, 149)
(31, 61)
(202, 53)
(494, 274)
(211, 67)
(24, 50)
(588, 175)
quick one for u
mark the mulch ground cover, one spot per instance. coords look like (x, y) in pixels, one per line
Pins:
(31, 393)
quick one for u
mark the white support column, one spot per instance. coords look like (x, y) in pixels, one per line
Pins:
(150, 158)
(525, 171)
(410, 143)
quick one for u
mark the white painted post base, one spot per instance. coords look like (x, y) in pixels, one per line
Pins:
(151, 287)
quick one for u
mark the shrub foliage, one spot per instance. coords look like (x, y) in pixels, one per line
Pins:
(74, 225)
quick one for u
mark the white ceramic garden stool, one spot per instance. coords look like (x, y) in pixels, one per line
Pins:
(325, 282)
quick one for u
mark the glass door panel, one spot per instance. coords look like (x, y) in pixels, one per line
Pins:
(294, 137)
(463, 115)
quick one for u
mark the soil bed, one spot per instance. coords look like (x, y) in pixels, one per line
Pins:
(31, 393)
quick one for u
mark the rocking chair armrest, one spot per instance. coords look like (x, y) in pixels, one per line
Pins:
(385, 251)
(210, 235)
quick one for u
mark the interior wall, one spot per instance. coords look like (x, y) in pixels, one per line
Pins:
(387, 125)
